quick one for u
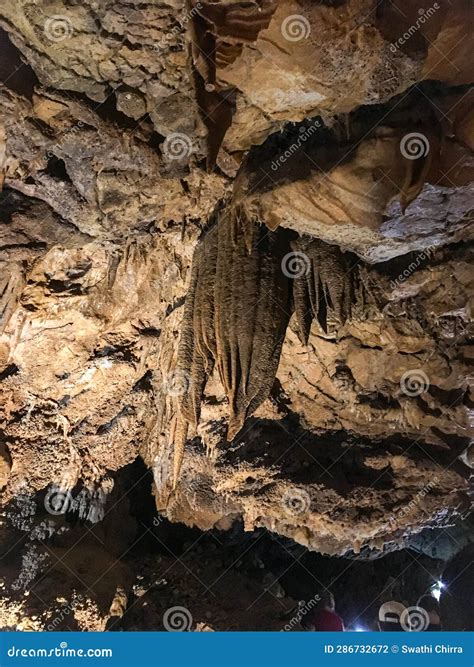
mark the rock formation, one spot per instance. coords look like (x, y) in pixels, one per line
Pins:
(235, 254)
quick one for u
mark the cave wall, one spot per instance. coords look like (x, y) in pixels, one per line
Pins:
(120, 135)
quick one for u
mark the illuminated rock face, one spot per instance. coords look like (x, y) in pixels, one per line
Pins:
(358, 440)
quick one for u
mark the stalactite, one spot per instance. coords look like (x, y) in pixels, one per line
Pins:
(198, 348)
(11, 283)
(252, 313)
(236, 313)
(238, 306)
(326, 289)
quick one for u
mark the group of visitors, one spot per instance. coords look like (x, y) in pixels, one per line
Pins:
(325, 619)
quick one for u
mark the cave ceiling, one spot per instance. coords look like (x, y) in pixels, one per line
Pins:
(235, 242)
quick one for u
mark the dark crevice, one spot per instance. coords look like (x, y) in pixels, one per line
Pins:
(108, 426)
(31, 245)
(11, 369)
(379, 401)
(176, 304)
(144, 383)
(14, 73)
(56, 168)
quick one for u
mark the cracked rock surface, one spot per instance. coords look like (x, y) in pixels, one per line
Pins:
(126, 130)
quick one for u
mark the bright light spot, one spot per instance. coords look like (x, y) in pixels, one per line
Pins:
(436, 589)
(359, 628)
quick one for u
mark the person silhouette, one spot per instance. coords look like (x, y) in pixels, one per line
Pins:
(324, 618)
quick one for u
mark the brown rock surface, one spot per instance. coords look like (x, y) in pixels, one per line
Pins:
(108, 112)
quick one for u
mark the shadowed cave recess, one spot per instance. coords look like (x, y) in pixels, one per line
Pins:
(235, 314)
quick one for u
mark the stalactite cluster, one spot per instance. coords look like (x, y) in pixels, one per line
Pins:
(328, 287)
(239, 303)
(236, 313)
